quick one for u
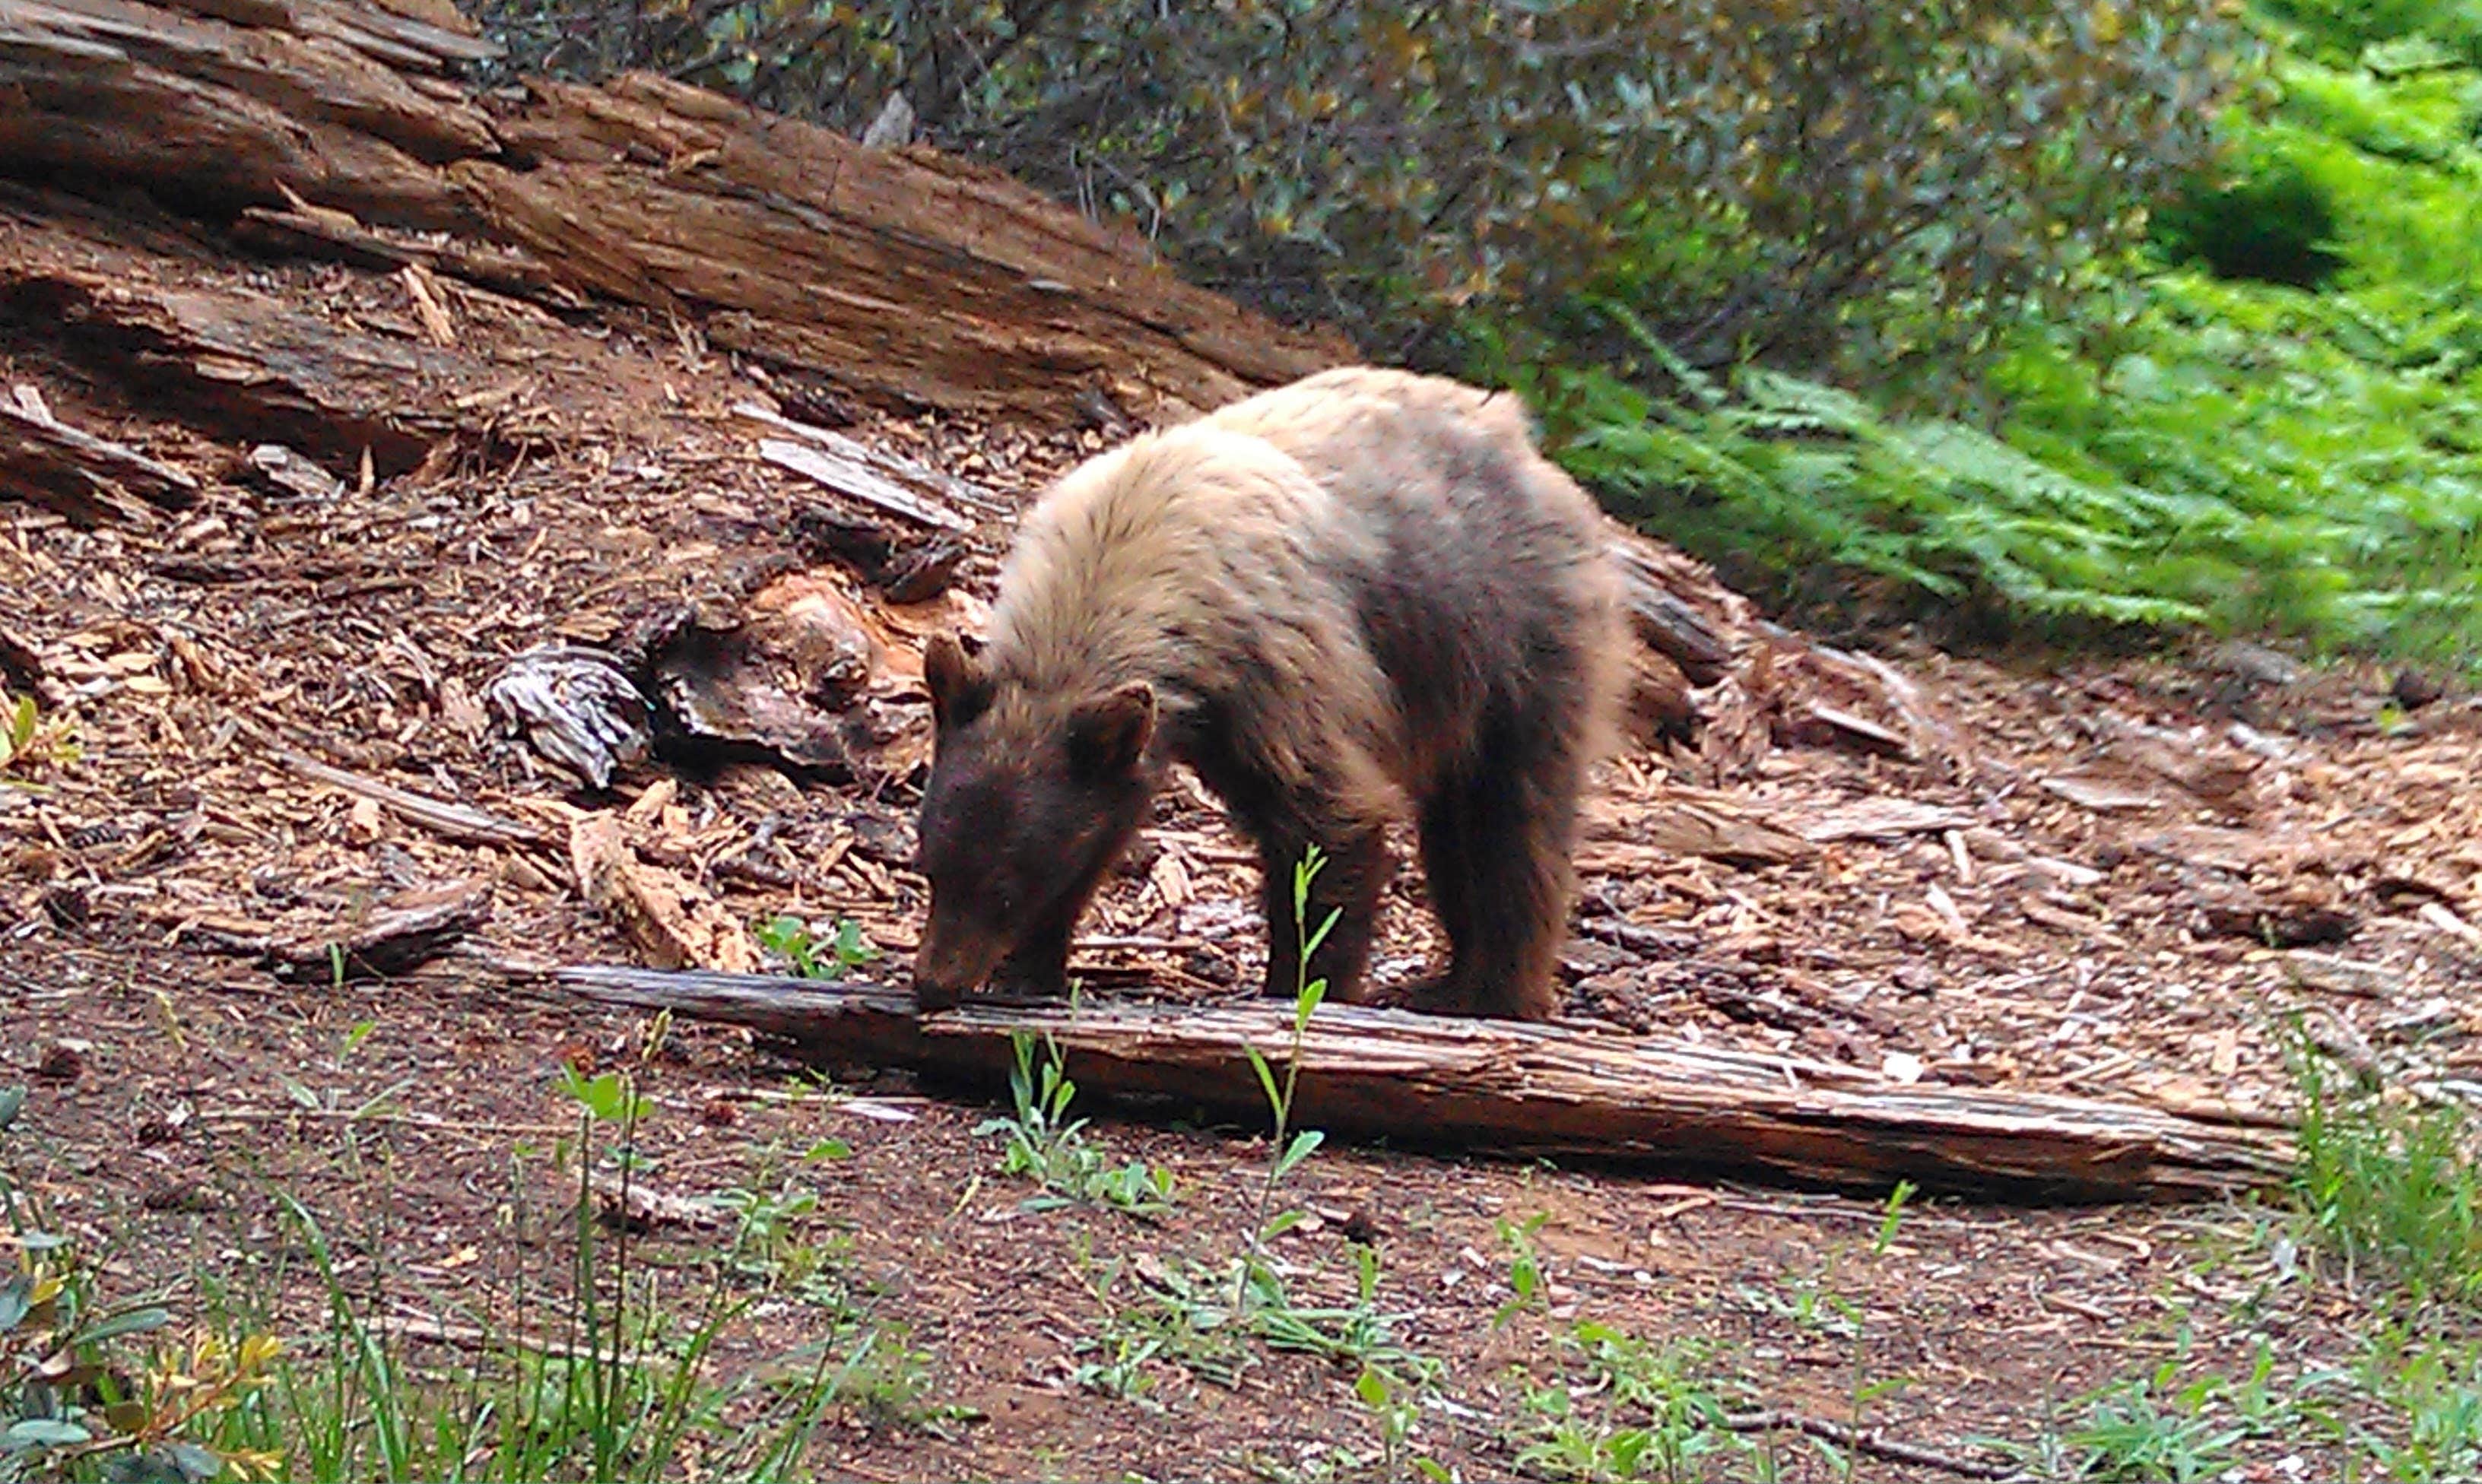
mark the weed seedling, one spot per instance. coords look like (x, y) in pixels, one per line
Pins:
(1050, 1147)
(798, 944)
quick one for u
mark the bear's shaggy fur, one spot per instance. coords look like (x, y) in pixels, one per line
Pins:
(1359, 592)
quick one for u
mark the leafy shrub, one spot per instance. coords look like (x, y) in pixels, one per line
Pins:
(78, 1398)
(1751, 175)
(2345, 31)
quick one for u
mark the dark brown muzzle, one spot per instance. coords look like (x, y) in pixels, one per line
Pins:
(952, 960)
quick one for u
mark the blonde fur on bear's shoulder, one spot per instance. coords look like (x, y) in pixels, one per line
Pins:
(1188, 557)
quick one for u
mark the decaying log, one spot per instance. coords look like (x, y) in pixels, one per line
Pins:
(1514, 1089)
(85, 477)
(903, 275)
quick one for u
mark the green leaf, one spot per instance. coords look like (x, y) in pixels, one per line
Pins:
(1319, 935)
(17, 1301)
(133, 1321)
(1304, 1144)
(199, 1465)
(12, 1101)
(47, 1432)
(1266, 1077)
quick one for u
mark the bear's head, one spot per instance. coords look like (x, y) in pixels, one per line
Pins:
(1031, 799)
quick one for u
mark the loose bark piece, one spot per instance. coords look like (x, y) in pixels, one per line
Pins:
(576, 706)
(2297, 919)
(964, 492)
(672, 921)
(2099, 791)
(2344, 975)
(1883, 819)
(1688, 821)
(847, 477)
(281, 471)
(406, 932)
(1512, 1088)
(85, 477)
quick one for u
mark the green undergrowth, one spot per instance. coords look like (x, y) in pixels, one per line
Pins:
(2267, 421)
(2381, 1236)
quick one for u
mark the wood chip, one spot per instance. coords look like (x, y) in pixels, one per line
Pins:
(674, 922)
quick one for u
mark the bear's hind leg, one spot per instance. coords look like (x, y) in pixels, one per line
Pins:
(1497, 847)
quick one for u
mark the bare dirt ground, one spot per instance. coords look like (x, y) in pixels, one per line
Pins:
(2141, 870)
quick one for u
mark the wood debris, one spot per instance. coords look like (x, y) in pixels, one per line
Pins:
(83, 477)
(392, 939)
(673, 922)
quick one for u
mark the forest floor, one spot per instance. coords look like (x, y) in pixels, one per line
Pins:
(2139, 873)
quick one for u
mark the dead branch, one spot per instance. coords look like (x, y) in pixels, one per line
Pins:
(456, 821)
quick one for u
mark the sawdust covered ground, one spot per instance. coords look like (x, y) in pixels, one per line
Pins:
(2081, 903)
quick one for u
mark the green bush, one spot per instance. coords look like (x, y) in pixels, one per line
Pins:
(1773, 178)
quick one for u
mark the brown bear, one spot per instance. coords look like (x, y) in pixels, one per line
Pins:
(1333, 600)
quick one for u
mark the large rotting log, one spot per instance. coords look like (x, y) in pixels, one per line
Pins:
(905, 274)
(1501, 1087)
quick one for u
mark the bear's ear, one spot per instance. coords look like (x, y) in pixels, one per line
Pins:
(960, 687)
(1108, 734)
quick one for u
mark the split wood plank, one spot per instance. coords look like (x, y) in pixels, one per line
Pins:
(964, 492)
(846, 477)
(456, 821)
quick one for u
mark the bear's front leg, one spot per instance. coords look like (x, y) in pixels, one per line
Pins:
(1356, 871)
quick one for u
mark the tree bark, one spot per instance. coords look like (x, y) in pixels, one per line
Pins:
(1514, 1090)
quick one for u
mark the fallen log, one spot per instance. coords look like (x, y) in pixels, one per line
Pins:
(1501, 1087)
(905, 274)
